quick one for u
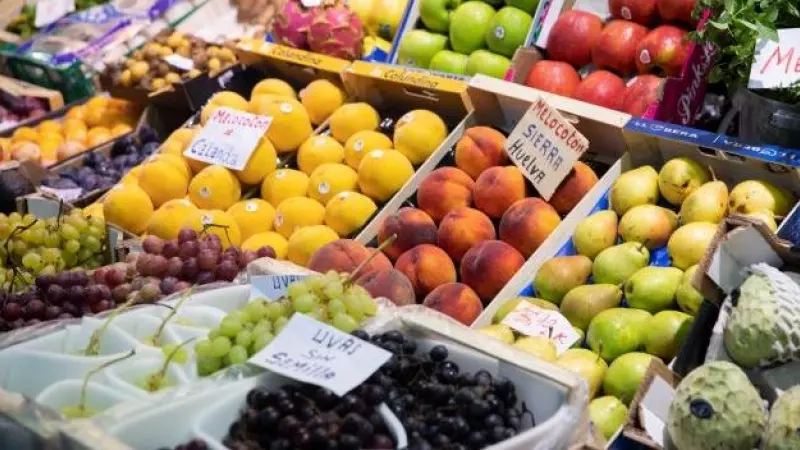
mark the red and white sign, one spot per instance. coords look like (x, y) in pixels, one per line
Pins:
(229, 138)
(531, 320)
(776, 64)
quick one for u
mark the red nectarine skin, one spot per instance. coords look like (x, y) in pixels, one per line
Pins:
(463, 228)
(642, 91)
(426, 266)
(457, 301)
(391, 284)
(678, 10)
(345, 255)
(479, 149)
(616, 47)
(498, 188)
(527, 224)
(444, 190)
(412, 227)
(489, 266)
(556, 77)
(573, 36)
(665, 48)
(639, 11)
(601, 88)
(579, 181)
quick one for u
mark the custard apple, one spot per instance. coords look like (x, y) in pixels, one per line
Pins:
(783, 427)
(716, 408)
(764, 325)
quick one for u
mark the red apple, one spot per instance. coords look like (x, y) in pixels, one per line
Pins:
(616, 48)
(642, 91)
(665, 48)
(556, 77)
(601, 88)
(680, 10)
(639, 11)
(573, 36)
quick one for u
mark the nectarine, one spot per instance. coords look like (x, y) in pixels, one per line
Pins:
(642, 91)
(412, 227)
(426, 266)
(527, 224)
(463, 228)
(389, 283)
(479, 149)
(498, 188)
(457, 301)
(579, 181)
(601, 88)
(488, 266)
(444, 190)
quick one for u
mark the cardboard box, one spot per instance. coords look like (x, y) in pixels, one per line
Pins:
(296, 67)
(648, 411)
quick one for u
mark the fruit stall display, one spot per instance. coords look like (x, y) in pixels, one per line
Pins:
(24, 23)
(19, 103)
(465, 38)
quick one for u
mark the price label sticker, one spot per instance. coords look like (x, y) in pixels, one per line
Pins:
(48, 11)
(67, 195)
(531, 320)
(545, 146)
(317, 353)
(229, 138)
(776, 64)
(179, 62)
(272, 287)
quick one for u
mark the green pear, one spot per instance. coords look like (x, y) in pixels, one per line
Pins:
(688, 244)
(649, 224)
(616, 264)
(499, 331)
(634, 187)
(708, 203)
(680, 177)
(689, 299)
(608, 414)
(595, 233)
(559, 275)
(587, 364)
(625, 374)
(653, 288)
(665, 333)
(583, 303)
(538, 346)
(617, 331)
(509, 306)
(756, 195)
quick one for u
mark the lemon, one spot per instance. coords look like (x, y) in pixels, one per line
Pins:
(283, 184)
(23, 134)
(261, 163)
(120, 129)
(217, 222)
(259, 104)
(176, 161)
(348, 212)
(76, 112)
(298, 212)
(167, 221)
(93, 210)
(222, 99)
(273, 86)
(49, 126)
(183, 136)
(132, 177)
(97, 136)
(307, 240)
(269, 238)
(362, 143)
(418, 134)
(290, 124)
(328, 180)
(321, 98)
(215, 187)
(162, 181)
(351, 118)
(318, 150)
(128, 207)
(252, 216)
(382, 173)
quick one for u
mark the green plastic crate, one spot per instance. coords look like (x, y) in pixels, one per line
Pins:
(71, 80)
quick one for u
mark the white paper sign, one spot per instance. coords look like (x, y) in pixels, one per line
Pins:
(48, 11)
(317, 353)
(67, 195)
(654, 408)
(180, 62)
(545, 147)
(272, 287)
(776, 64)
(229, 138)
(531, 320)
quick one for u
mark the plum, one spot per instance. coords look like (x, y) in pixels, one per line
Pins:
(147, 135)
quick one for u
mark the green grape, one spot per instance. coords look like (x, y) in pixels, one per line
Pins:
(37, 236)
(84, 254)
(91, 243)
(51, 255)
(315, 284)
(280, 322)
(220, 346)
(15, 217)
(238, 355)
(264, 326)
(32, 261)
(28, 219)
(277, 309)
(206, 366)
(19, 248)
(238, 315)
(72, 246)
(334, 290)
(203, 348)
(244, 338)
(261, 341)
(345, 323)
(48, 270)
(230, 327)
(181, 357)
(68, 232)
(255, 310)
(97, 222)
(98, 232)
(353, 305)
(336, 306)
(213, 333)
(78, 221)
(5, 229)
(368, 305)
(318, 314)
(297, 289)
(52, 240)
(304, 303)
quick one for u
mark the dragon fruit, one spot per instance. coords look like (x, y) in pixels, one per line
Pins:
(291, 24)
(336, 31)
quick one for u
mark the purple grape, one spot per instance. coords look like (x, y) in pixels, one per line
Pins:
(190, 269)
(174, 267)
(65, 315)
(32, 322)
(52, 312)
(115, 277)
(168, 285)
(150, 292)
(71, 309)
(76, 294)
(186, 235)
(143, 264)
(19, 323)
(170, 249)
(55, 294)
(99, 275)
(79, 277)
(12, 312)
(34, 309)
(227, 270)
(120, 293)
(45, 281)
(153, 245)
(102, 305)
(249, 256)
(138, 283)
(63, 279)
(188, 250)
(158, 265)
(182, 285)
(205, 277)
(207, 260)
(266, 252)
(94, 293)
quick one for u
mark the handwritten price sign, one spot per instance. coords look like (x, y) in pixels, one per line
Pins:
(531, 320)
(776, 64)
(229, 138)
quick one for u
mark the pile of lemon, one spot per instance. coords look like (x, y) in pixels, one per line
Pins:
(341, 176)
(85, 126)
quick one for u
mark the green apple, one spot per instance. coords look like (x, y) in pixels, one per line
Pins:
(418, 47)
(665, 333)
(625, 374)
(529, 6)
(508, 30)
(450, 62)
(435, 14)
(607, 414)
(468, 26)
(488, 63)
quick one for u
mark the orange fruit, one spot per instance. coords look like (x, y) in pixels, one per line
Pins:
(49, 126)
(97, 136)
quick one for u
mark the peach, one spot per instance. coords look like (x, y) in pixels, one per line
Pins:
(457, 301)
(527, 223)
(579, 181)
(498, 188)
(389, 283)
(479, 149)
(488, 266)
(463, 228)
(444, 190)
(426, 266)
(345, 255)
(412, 227)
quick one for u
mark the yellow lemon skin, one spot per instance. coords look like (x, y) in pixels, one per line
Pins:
(318, 150)
(418, 134)
(270, 238)
(216, 222)
(321, 98)
(382, 173)
(351, 118)
(223, 98)
(273, 86)
(215, 187)
(162, 181)
(252, 216)
(298, 212)
(282, 184)
(262, 162)
(348, 212)
(290, 125)
(307, 240)
(362, 143)
(166, 221)
(128, 207)
(328, 180)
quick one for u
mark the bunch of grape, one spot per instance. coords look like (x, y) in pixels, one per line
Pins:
(307, 417)
(194, 444)
(32, 246)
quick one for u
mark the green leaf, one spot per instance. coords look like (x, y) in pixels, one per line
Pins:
(718, 25)
(767, 32)
(730, 5)
(746, 23)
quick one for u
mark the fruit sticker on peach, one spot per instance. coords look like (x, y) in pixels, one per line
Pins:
(531, 320)
(776, 64)
(229, 138)
(317, 353)
(545, 146)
